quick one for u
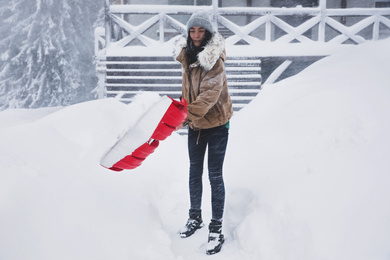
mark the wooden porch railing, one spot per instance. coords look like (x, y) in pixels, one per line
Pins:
(270, 32)
(323, 24)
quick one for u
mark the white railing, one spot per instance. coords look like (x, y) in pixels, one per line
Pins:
(324, 25)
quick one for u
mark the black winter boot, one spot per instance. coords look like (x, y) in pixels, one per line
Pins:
(216, 238)
(194, 222)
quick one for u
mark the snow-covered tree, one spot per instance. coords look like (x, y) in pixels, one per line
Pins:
(46, 52)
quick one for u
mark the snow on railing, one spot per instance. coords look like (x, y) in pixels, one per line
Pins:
(316, 24)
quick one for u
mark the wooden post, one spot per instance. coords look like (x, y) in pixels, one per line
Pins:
(107, 22)
(100, 66)
(322, 24)
(375, 29)
(215, 14)
(343, 5)
(248, 17)
(101, 74)
(268, 30)
(162, 29)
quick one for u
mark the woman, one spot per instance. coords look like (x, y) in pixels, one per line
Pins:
(202, 55)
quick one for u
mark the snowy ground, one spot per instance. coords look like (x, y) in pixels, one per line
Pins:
(307, 175)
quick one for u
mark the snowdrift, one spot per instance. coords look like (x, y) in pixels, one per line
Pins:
(306, 175)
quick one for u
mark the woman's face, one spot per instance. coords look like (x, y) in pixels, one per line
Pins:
(196, 34)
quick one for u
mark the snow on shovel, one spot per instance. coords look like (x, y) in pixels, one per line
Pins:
(157, 123)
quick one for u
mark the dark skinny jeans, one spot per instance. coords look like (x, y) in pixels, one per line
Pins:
(216, 140)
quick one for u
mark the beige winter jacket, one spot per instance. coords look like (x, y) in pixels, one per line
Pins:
(205, 85)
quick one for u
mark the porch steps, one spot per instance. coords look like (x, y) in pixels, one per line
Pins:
(127, 76)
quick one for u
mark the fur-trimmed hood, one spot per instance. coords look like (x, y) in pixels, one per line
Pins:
(207, 58)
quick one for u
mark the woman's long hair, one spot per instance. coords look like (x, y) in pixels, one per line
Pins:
(192, 51)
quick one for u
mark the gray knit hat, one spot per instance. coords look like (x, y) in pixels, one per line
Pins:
(202, 19)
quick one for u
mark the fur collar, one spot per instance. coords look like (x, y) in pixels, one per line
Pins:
(209, 55)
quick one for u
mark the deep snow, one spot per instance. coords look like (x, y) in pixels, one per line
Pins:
(307, 175)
